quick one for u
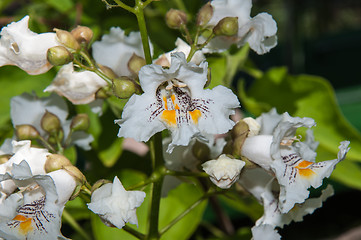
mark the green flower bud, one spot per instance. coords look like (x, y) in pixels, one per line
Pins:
(56, 136)
(55, 162)
(136, 63)
(4, 158)
(26, 132)
(228, 26)
(50, 122)
(201, 151)
(80, 122)
(205, 14)
(59, 55)
(67, 39)
(124, 87)
(76, 173)
(241, 128)
(99, 183)
(82, 34)
(175, 18)
(102, 93)
(76, 192)
(108, 71)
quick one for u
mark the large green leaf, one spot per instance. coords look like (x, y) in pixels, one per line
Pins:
(177, 201)
(304, 96)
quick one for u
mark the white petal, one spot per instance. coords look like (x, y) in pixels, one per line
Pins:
(265, 232)
(79, 87)
(64, 184)
(257, 149)
(115, 49)
(21, 47)
(230, 8)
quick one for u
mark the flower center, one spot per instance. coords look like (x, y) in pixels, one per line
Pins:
(176, 106)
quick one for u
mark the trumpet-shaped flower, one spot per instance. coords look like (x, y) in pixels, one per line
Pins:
(114, 205)
(115, 50)
(223, 171)
(35, 211)
(278, 150)
(21, 47)
(259, 32)
(174, 99)
(29, 109)
(182, 46)
(78, 87)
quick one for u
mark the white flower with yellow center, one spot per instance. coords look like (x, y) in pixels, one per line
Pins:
(34, 212)
(174, 99)
(21, 47)
(259, 32)
(279, 151)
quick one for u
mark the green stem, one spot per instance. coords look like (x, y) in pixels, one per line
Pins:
(156, 154)
(46, 144)
(124, 6)
(134, 232)
(139, 13)
(71, 221)
(190, 174)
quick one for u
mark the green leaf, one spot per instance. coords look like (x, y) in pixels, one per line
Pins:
(304, 96)
(61, 6)
(225, 66)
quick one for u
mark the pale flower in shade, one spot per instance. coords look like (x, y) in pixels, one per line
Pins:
(115, 50)
(21, 47)
(29, 109)
(165, 59)
(175, 99)
(79, 87)
(278, 150)
(223, 171)
(34, 212)
(114, 205)
(259, 32)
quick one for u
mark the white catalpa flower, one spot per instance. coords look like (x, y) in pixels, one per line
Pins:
(29, 109)
(259, 32)
(21, 47)
(265, 232)
(115, 50)
(78, 87)
(22, 150)
(278, 150)
(34, 212)
(174, 99)
(165, 59)
(114, 205)
(223, 171)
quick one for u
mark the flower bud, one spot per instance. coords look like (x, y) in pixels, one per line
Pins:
(136, 63)
(82, 34)
(175, 18)
(76, 173)
(228, 26)
(205, 14)
(124, 87)
(80, 122)
(201, 151)
(67, 39)
(253, 126)
(102, 93)
(241, 128)
(4, 158)
(50, 122)
(107, 71)
(26, 132)
(76, 192)
(55, 162)
(99, 183)
(59, 55)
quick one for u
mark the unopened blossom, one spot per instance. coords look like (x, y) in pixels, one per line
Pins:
(29, 109)
(223, 171)
(259, 32)
(182, 46)
(174, 99)
(21, 47)
(35, 211)
(115, 50)
(114, 205)
(279, 151)
(79, 87)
